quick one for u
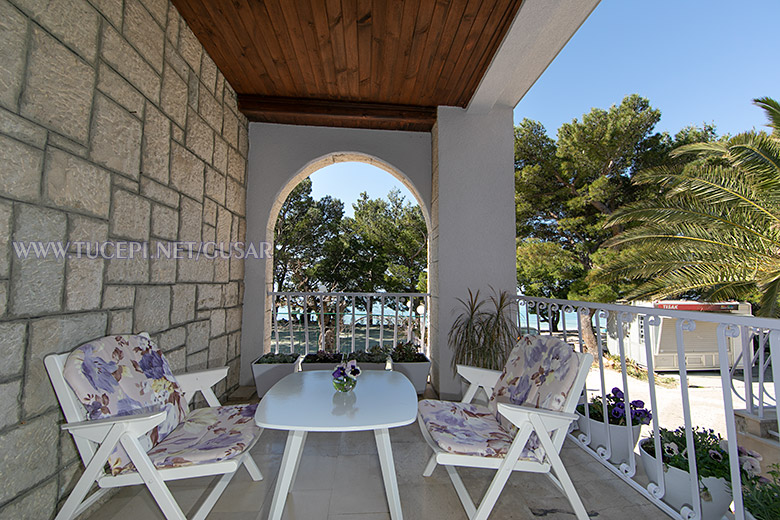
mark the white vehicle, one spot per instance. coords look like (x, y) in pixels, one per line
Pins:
(701, 346)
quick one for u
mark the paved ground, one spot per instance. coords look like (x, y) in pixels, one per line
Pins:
(340, 479)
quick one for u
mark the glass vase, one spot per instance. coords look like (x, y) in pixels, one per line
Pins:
(344, 384)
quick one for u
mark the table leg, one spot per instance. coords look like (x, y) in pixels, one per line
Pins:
(382, 437)
(290, 460)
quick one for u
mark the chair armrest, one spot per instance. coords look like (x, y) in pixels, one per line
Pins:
(194, 381)
(98, 429)
(519, 415)
(478, 377)
(201, 381)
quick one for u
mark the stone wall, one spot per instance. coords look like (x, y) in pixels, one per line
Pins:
(115, 125)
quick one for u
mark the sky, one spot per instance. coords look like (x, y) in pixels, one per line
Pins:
(695, 60)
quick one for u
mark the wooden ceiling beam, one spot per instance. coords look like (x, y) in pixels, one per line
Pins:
(350, 114)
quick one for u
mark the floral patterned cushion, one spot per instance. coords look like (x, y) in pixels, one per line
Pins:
(206, 435)
(539, 373)
(468, 429)
(124, 375)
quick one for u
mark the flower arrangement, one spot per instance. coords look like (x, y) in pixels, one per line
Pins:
(712, 457)
(762, 495)
(345, 375)
(616, 409)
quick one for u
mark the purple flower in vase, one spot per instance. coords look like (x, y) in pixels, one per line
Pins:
(340, 372)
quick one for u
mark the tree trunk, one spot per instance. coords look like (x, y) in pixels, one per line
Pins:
(588, 336)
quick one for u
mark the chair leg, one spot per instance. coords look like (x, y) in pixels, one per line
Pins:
(208, 504)
(154, 482)
(251, 467)
(462, 492)
(430, 466)
(560, 470)
(91, 472)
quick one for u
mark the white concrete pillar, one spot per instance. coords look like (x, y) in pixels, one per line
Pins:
(473, 210)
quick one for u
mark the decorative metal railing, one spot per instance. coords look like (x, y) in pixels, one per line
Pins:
(643, 332)
(304, 322)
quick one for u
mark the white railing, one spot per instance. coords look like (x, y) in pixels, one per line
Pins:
(304, 322)
(634, 333)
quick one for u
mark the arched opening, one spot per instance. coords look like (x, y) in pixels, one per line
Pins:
(366, 292)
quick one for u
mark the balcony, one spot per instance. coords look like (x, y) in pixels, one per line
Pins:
(340, 478)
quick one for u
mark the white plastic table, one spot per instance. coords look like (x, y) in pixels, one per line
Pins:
(305, 402)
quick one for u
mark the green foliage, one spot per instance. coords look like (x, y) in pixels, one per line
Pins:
(762, 496)
(305, 230)
(382, 248)
(711, 459)
(716, 229)
(546, 269)
(483, 337)
(566, 190)
(272, 358)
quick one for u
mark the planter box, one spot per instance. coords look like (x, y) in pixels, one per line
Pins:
(619, 449)
(417, 373)
(268, 374)
(332, 366)
(677, 487)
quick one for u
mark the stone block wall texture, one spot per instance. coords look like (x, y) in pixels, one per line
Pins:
(115, 124)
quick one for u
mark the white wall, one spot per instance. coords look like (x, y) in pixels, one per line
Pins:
(473, 238)
(280, 156)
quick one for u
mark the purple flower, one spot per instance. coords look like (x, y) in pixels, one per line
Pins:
(352, 369)
(638, 404)
(98, 372)
(339, 372)
(152, 364)
(618, 413)
(621, 405)
(618, 393)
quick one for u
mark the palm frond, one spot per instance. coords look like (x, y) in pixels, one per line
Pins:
(772, 109)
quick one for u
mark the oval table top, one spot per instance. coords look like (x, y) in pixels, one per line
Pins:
(307, 401)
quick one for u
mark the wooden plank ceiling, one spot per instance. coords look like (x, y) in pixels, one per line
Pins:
(354, 63)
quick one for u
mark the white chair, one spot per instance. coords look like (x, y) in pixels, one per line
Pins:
(128, 416)
(523, 427)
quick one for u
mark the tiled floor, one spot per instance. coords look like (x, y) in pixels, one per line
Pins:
(339, 478)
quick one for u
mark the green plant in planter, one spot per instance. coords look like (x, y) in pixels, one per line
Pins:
(274, 358)
(712, 459)
(484, 332)
(762, 495)
(323, 356)
(407, 352)
(616, 409)
(373, 355)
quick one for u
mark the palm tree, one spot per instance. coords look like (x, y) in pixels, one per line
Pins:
(715, 227)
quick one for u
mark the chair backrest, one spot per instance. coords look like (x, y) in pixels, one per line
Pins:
(115, 376)
(541, 372)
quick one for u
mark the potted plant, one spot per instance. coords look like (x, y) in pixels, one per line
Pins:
(269, 368)
(712, 463)
(592, 423)
(408, 360)
(484, 332)
(324, 360)
(483, 337)
(762, 495)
